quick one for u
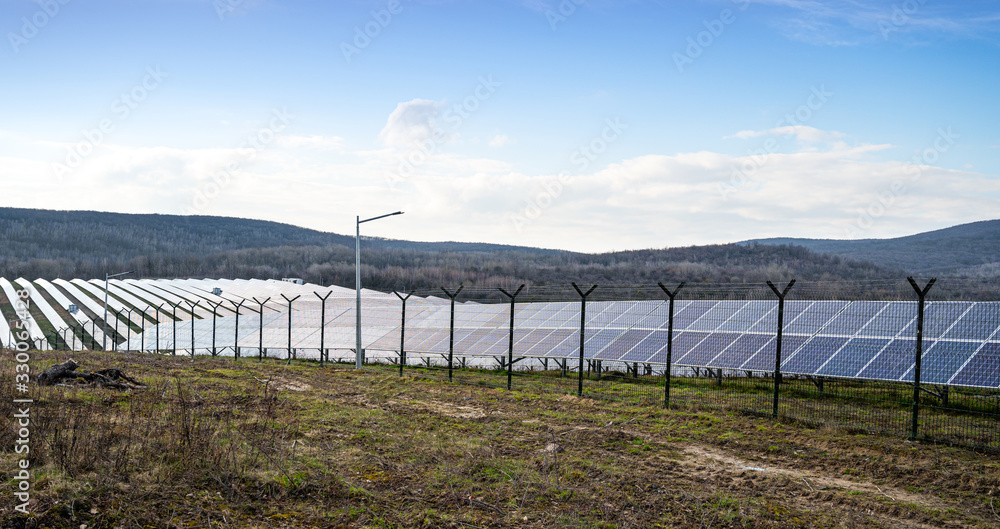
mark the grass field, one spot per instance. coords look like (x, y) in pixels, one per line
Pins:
(218, 443)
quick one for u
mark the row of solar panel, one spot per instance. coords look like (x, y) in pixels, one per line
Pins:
(946, 320)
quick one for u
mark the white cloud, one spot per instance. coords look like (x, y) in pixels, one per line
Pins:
(499, 140)
(653, 200)
(802, 133)
(411, 123)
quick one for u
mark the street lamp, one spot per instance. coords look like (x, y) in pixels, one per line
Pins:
(359, 355)
(104, 347)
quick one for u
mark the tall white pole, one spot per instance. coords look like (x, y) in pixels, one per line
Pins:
(359, 356)
(104, 345)
(359, 353)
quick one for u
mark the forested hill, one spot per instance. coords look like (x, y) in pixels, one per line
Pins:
(970, 249)
(50, 244)
(43, 234)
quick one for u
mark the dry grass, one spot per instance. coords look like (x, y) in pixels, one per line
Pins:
(217, 443)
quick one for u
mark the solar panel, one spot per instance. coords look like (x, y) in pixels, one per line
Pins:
(544, 346)
(622, 344)
(980, 322)
(748, 316)
(812, 354)
(853, 357)
(982, 370)
(702, 354)
(740, 351)
(717, 315)
(812, 318)
(890, 321)
(893, 361)
(684, 317)
(854, 317)
(648, 346)
(941, 360)
(763, 360)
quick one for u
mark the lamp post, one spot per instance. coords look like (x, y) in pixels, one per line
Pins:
(105, 331)
(359, 355)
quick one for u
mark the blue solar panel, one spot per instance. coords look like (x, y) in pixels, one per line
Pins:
(812, 318)
(684, 317)
(741, 350)
(940, 362)
(979, 323)
(718, 315)
(748, 316)
(657, 317)
(854, 317)
(683, 343)
(893, 319)
(702, 354)
(569, 347)
(599, 340)
(621, 345)
(648, 346)
(545, 345)
(813, 354)
(939, 316)
(894, 360)
(529, 339)
(634, 314)
(853, 357)
(600, 314)
(983, 370)
(764, 359)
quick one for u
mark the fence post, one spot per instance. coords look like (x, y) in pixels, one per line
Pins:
(402, 331)
(922, 295)
(670, 341)
(777, 349)
(290, 300)
(174, 340)
(193, 305)
(114, 341)
(510, 345)
(236, 329)
(583, 326)
(451, 328)
(158, 307)
(215, 316)
(322, 325)
(260, 329)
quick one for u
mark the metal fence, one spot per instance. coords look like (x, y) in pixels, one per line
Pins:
(914, 368)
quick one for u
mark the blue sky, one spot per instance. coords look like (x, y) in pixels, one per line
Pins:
(587, 125)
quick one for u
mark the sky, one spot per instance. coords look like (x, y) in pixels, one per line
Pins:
(587, 125)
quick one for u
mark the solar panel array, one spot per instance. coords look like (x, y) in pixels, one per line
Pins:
(847, 339)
